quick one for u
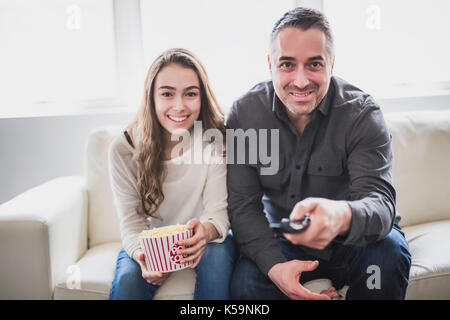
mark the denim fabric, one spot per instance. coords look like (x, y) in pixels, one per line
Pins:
(213, 275)
(349, 265)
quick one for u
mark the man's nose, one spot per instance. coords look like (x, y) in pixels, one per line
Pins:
(301, 78)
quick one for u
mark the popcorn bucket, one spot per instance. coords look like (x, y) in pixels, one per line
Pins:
(160, 247)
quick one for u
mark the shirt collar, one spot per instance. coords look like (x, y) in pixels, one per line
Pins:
(324, 106)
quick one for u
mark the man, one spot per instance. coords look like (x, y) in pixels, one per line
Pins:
(335, 164)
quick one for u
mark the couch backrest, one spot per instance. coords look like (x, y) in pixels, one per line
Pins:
(421, 168)
(103, 224)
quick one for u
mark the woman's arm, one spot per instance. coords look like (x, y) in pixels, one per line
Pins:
(215, 199)
(123, 179)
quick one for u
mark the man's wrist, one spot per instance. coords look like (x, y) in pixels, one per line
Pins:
(273, 269)
(346, 218)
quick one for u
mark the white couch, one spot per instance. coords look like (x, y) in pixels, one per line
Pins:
(60, 240)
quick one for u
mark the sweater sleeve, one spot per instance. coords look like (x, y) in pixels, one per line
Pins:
(215, 196)
(123, 178)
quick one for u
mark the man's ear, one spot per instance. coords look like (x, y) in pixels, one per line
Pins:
(332, 65)
(270, 65)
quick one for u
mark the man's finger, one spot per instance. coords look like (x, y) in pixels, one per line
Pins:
(306, 294)
(303, 208)
(309, 265)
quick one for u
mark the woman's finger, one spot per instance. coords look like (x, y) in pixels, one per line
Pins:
(157, 278)
(197, 261)
(193, 248)
(152, 275)
(194, 256)
(191, 241)
(198, 235)
(192, 224)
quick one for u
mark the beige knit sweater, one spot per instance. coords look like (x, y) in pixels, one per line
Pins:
(190, 190)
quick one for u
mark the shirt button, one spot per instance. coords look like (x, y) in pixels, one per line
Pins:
(292, 196)
(298, 167)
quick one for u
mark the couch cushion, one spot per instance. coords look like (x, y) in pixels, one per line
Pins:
(103, 224)
(421, 147)
(430, 268)
(95, 272)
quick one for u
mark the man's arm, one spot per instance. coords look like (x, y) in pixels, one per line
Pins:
(372, 195)
(369, 213)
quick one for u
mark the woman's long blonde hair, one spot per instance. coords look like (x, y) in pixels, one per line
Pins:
(150, 144)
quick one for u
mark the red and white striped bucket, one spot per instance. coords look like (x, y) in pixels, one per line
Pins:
(160, 252)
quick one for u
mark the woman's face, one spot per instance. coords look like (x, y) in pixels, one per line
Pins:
(177, 97)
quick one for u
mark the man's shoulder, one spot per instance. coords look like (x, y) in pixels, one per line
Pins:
(354, 108)
(351, 96)
(254, 104)
(262, 90)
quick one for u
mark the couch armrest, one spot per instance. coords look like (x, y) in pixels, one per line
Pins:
(42, 232)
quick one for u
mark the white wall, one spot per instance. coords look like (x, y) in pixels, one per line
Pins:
(37, 149)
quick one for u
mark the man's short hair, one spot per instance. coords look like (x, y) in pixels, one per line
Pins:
(304, 19)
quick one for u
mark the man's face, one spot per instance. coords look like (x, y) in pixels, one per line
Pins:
(301, 69)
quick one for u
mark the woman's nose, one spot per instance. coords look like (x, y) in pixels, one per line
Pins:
(178, 104)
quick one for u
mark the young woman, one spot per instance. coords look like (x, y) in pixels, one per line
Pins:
(155, 184)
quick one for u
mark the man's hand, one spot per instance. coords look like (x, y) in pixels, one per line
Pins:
(329, 218)
(286, 277)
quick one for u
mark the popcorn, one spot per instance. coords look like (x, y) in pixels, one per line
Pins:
(159, 232)
(160, 247)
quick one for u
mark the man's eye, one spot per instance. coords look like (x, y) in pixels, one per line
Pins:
(316, 65)
(286, 65)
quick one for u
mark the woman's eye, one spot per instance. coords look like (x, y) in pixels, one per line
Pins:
(166, 94)
(192, 94)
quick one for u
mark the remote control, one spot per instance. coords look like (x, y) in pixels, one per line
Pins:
(288, 226)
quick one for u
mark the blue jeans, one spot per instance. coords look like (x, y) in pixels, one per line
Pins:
(213, 275)
(379, 270)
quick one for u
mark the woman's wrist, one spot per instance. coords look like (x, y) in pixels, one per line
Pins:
(211, 231)
(135, 254)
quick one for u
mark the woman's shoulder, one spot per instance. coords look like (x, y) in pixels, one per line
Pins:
(120, 146)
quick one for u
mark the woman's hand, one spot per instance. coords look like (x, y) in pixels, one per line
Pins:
(156, 278)
(196, 245)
